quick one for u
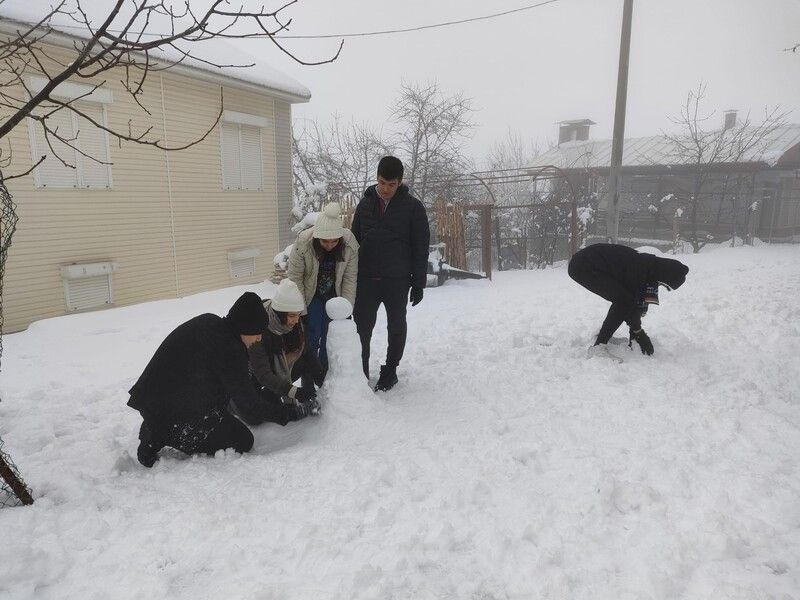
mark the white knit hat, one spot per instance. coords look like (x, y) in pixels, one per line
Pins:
(288, 298)
(329, 223)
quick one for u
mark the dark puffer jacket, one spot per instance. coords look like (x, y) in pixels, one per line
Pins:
(620, 274)
(195, 371)
(395, 245)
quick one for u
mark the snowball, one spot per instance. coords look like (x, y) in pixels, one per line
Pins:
(338, 308)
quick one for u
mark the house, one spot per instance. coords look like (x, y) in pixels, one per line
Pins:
(751, 193)
(151, 224)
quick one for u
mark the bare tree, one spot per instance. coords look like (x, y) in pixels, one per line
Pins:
(705, 149)
(431, 129)
(331, 162)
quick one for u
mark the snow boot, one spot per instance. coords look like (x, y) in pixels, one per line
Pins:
(147, 454)
(387, 379)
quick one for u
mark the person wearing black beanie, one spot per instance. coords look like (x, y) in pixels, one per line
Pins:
(184, 392)
(629, 280)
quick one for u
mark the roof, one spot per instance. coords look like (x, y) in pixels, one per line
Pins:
(658, 150)
(577, 122)
(217, 50)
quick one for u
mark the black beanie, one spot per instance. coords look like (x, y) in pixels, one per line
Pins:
(248, 316)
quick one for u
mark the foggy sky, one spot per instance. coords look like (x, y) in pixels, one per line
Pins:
(529, 70)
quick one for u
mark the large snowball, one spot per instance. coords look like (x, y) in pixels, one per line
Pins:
(339, 308)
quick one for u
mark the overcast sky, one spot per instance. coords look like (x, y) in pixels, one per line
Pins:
(529, 70)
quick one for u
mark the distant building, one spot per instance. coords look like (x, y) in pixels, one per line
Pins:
(151, 224)
(757, 194)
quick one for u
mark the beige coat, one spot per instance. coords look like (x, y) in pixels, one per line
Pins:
(304, 266)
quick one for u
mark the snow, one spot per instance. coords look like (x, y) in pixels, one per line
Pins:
(505, 464)
(307, 221)
(338, 308)
(281, 259)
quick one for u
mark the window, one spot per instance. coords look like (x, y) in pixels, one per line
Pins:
(86, 139)
(241, 151)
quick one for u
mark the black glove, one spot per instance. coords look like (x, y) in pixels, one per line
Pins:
(296, 412)
(304, 394)
(643, 340)
(415, 296)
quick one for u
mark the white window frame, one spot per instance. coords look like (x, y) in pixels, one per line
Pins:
(80, 93)
(261, 123)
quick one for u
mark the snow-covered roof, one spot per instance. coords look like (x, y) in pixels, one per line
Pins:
(218, 50)
(658, 150)
(577, 122)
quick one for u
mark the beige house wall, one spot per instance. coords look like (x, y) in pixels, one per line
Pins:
(166, 222)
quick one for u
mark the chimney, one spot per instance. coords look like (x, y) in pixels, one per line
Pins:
(575, 130)
(730, 119)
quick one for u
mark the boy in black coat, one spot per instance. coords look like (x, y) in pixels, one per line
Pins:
(184, 391)
(629, 280)
(391, 227)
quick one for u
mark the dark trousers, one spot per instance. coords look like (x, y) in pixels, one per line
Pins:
(317, 329)
(598, 283)
(218, 430)
(393, 294)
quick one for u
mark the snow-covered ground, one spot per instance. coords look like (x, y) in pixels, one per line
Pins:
(506, 464)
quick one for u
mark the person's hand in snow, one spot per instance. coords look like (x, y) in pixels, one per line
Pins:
(641, 338)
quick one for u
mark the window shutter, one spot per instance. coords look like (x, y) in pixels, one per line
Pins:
(52, 172)
(251, 157)
(231, 175)
(94, 142)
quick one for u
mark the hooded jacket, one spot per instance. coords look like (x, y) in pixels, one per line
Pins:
(197, 369)
(304, 267)
(620, 274)
(393, 245)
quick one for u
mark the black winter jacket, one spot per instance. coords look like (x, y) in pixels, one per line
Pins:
(620, 274)
(198, 368)
(396, 244)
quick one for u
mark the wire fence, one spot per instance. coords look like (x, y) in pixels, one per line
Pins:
(13, 490)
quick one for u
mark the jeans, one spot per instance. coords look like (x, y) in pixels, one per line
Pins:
(317, 329)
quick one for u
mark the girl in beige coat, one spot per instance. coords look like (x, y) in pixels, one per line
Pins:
(324, 264)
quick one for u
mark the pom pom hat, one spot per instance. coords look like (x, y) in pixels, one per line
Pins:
(329, 223)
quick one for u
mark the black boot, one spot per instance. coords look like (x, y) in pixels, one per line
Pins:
(149, 445)
(387, 379)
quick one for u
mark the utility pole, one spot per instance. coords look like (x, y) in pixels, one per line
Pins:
(612, 210)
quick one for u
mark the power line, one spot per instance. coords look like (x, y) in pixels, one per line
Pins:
(350, 35)
(418, 28)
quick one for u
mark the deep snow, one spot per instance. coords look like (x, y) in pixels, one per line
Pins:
(506, 464)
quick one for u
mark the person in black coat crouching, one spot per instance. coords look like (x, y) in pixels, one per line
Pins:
(391, 226)
(629, 280)
(184, 391)
(282, 357)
